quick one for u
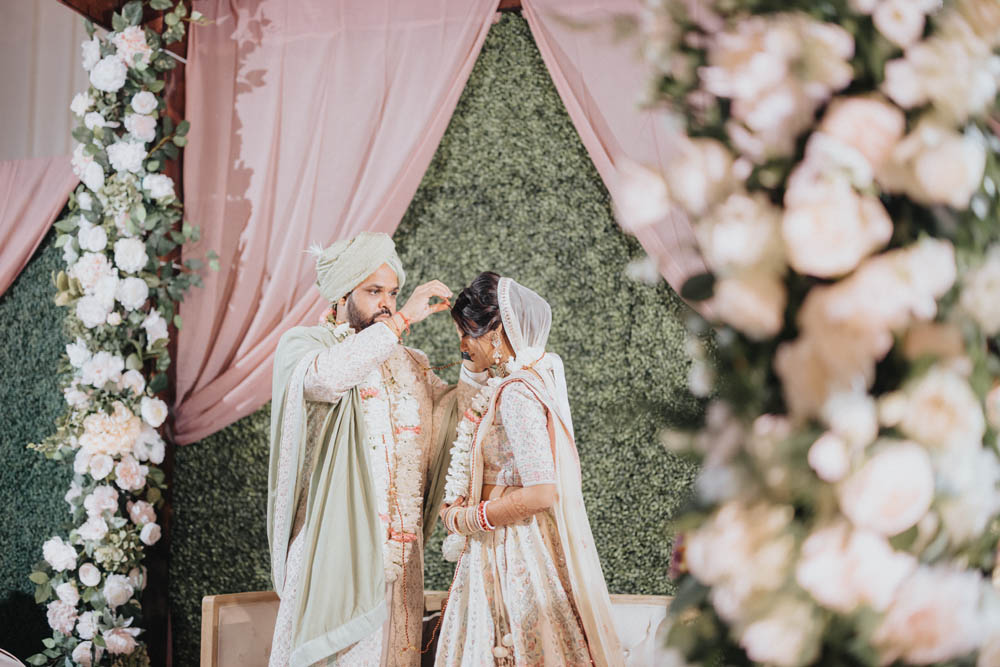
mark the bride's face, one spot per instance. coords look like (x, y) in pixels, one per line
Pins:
(480, 350)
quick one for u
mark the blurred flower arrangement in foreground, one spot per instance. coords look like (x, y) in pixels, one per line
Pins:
(839, 163)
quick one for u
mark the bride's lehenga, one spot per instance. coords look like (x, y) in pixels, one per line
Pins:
(521, 566)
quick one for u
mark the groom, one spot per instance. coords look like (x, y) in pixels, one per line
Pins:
(360, 428)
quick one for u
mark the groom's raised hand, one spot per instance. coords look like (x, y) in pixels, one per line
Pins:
(419, 306)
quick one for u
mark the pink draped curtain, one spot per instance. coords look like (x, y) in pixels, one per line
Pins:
(32, 193)
(601, 82)
(311, 120)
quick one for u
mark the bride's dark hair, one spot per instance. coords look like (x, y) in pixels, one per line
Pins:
(477, 309)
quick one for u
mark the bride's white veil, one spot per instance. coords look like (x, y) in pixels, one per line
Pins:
(527, 320)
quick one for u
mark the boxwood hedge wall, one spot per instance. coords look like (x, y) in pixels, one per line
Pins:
(511, 189)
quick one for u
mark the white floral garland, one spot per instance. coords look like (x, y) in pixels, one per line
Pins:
(120, 222)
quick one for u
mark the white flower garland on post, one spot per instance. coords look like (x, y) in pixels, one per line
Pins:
(121, 288)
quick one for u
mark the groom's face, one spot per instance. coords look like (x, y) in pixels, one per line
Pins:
(374, 300)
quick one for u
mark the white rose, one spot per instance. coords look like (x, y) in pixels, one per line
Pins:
(130, 255)
(90, 52)
(133, 381)
(700, 175)
(131, 46)
(828, 457)
(102, 368)
(869, 125)
(94, 528)
(155, 326)
(114, 319)
(843, 568)
(67, 592)
(741, 234)
(144, 102)
(129, 475)
(70, 254)
(77, 352)
(159, 186)
(83, 654)
(108, 74)
(150, 534)
(81, 103)
(102, 499)
(101, 466)
(899, 21)
(154, 411)
(853, 416)
(86, 626)
(787, 636)
(753, 303)
(120, 641)
(943, 412)
(81, 462)
(60, 555)
(641, 196)
(902, 84)
(934, 617)
(132, 293)
(61, 616)
(92, 238)
(89, 576)
(117, 590)
(107, 287)
(127, 156)
(141, 512)
(141, 126)
(75, 397)
(92, 311)
(892, 491)
(970, 498)
(979, 293)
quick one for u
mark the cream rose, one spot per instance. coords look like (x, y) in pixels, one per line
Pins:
(92, 238)
(113, 434)
(102, 368)
(102, 499)
(741, 234)
(67, 592)
(61, 616)
(129, 475)
(899, 21)
(150, 534)
(753, 303)
(828, 457)
(89, 576)
(642, 198)
(970, 498)
(84, 654)
(788, 635)
(141, 512)
(869, 125)
(120, 641)
(934, 617)
(127, 156)
(159, 186)
(154, 411)
(853, 416)
(131, 46)
(77, 352)
(117, 590)
(86, 626)
(94, 528)
(979, 293)
(133, 381)
(892, 491)
(943, 412)
(141, 126)
(700, 175)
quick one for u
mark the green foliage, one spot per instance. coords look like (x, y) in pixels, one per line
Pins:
(31, 487)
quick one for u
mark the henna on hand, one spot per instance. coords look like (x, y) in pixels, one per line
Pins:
(521, 504)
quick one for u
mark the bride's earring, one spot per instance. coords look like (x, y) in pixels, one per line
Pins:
(496, 349)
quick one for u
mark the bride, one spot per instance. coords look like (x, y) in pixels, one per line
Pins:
(528, 587)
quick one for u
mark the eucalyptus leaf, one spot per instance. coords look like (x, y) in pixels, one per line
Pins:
(161, 5)
(38, 577)
(132, 12)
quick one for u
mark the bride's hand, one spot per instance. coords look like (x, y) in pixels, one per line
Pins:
(444, 508)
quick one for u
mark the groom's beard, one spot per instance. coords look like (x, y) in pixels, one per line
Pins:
(358, 320)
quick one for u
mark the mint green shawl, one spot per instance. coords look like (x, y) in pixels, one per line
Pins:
(340, 593)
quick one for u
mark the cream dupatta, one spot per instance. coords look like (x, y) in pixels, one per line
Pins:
(527, 320)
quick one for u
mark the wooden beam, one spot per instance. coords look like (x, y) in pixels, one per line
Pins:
(98, 11)
(509, 6)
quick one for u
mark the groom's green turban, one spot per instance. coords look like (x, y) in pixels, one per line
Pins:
(341, 267)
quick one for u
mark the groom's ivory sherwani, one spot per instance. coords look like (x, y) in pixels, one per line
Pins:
(360, 434)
